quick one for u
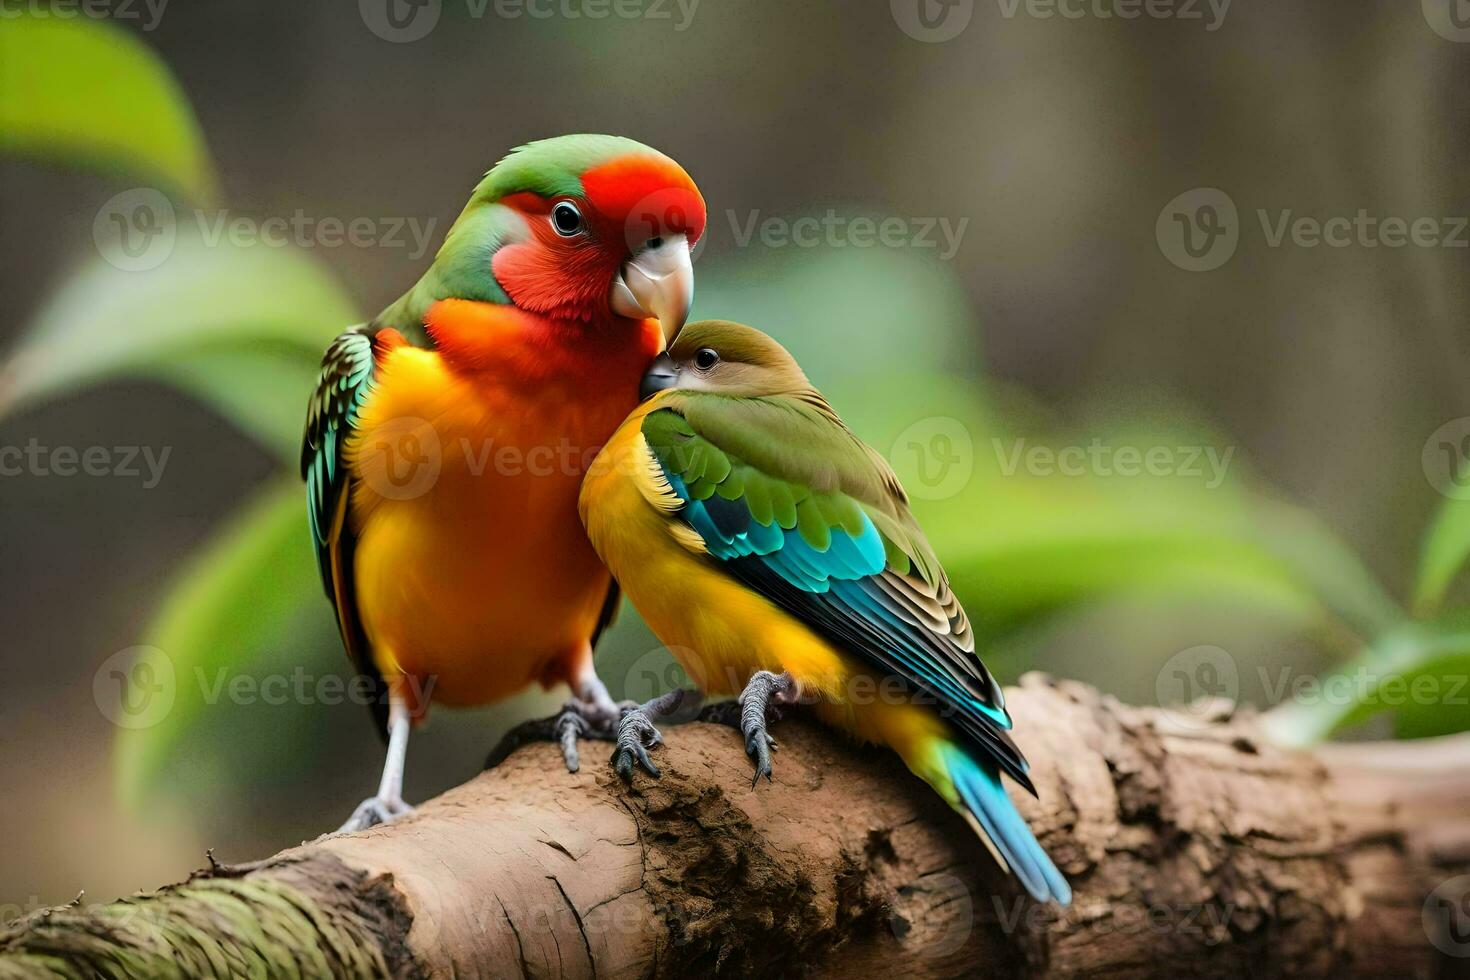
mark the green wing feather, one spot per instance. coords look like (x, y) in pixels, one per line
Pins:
(345, 382)
(791, 503)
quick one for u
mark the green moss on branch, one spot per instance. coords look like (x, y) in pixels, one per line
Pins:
(306, 918)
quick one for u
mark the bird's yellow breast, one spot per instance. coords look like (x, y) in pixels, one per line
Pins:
(720, 631)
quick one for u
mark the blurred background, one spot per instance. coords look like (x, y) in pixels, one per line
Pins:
(1060, 269)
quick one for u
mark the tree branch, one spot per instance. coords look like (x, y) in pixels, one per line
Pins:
(1193, 846)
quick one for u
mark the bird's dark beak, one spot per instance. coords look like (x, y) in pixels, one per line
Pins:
(661, 376)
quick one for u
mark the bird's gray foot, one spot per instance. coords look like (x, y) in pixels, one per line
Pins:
(580, 718)
(762, 698)
(373, 811)
(637, 733)
(595, 718)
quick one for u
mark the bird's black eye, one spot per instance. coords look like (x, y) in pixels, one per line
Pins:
(706, 358)
(566, 219)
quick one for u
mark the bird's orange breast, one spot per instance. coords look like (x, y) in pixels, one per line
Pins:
(472, 567)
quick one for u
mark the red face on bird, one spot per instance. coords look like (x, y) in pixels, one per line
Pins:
(585, 228)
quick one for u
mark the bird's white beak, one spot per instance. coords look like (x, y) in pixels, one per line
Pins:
(659, 282)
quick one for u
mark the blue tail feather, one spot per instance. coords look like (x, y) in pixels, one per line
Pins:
(980, 789)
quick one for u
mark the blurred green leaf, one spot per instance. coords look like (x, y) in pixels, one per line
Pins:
(1035, 548)
(1444, 554)
(1419, 670)
(242, 328)
(1304, 543)
(262, 391)
(247, 604)
(1022, 545)
(1435, 700)
(84, 92)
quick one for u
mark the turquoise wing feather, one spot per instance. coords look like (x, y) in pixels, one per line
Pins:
(788, 501)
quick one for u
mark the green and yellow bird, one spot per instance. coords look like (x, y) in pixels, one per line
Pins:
(774, 553)
(447, 439)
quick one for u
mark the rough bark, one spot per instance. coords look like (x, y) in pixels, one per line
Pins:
(1194, 847)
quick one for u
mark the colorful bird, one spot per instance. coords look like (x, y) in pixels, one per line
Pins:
(447, 439)
(774, 552)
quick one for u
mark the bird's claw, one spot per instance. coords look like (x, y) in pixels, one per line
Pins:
(580, 718)
(759, 746)
(373, 811)
(569, 727)
(637, 734)
(761, 699)
(586, 719)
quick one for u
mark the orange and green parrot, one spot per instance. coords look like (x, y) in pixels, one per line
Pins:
(774, 553)
(447, 438)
